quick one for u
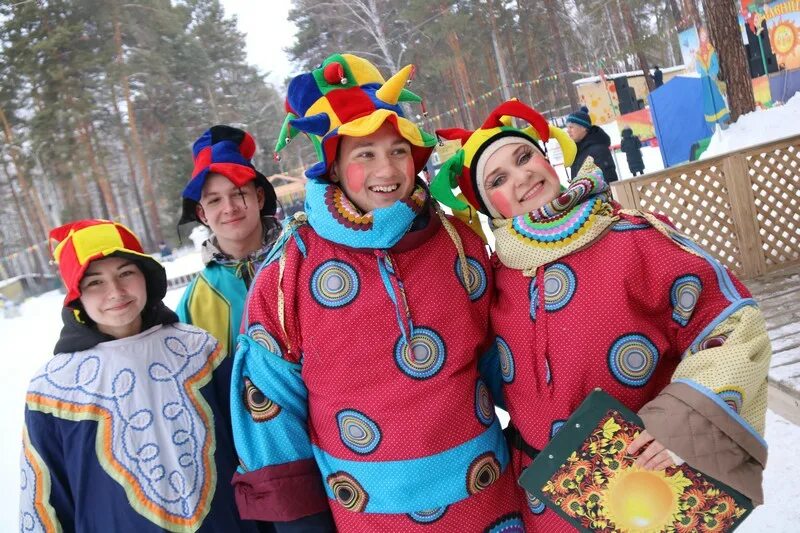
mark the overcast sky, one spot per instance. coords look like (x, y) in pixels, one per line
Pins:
(268, 33)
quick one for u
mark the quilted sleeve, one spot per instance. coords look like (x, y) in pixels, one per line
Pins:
(278, 479)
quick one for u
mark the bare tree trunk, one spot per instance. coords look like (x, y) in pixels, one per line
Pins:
(29, 239)
(108, 205)
(25, 185)
(551, 8)
(123, 136)
(726, 36)
(630, 25)
(150, 195)
(534, 69)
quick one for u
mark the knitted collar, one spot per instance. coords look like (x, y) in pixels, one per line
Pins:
(577, 217)
(335, 218)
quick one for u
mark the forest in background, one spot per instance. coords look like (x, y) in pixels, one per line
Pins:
(100, 100)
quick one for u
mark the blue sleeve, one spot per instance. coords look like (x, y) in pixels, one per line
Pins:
(278, 479)
(489, 369)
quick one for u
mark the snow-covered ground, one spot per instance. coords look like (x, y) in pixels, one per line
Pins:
(27, 342)
(758, 127)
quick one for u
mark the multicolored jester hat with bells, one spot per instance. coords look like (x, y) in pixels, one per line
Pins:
(347, 95)
(461, 170)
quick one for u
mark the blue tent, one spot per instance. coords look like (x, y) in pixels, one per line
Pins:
(677, 111)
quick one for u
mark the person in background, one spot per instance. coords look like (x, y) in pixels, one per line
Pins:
(127, 427)
(592, 142)
(658, 77)
(632, 147)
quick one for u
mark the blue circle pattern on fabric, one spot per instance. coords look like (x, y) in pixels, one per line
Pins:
(358, 432)
(683, 296)
(555, 426)
(534, 504)
(476, 278)
(627, 225)
(428, 516)
(511, 523)
(334, 284)
(424, 358)
(506, 360)
(484, 408)
(632, 359)
(733, 398)
(559, 286)
(533, 294)
(261, 336)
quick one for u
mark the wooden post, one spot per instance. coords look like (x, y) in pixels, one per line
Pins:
(622, 191)
(742, 202)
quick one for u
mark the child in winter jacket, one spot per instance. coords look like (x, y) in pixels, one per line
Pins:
(127, 426)
(632, 147)
(591, 295)
(356, 382)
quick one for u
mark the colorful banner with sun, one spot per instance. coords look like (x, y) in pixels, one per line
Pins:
(783, 24)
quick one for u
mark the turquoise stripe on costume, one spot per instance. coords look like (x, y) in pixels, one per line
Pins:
(409, 485)
(723, 278)
(705, 391)
(284, 438)
(727, 312)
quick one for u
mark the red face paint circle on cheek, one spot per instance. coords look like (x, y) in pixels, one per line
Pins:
(355, 177)
(500, 203)
(410, 168)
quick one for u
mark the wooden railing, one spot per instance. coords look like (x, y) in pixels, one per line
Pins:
(743, 207)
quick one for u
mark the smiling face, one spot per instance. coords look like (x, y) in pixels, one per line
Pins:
(233, 214)
(376, 170)
(113, 294)
(519, 179)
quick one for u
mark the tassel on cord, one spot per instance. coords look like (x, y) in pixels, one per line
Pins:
(462, 257)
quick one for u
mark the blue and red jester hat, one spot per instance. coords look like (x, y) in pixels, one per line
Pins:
(346, 95)
(227, 151)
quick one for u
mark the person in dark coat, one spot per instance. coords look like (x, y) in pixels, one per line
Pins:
(658, 77)
(632, 147)
(591, 141)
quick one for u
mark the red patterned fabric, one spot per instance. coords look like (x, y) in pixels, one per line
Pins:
(609, 298)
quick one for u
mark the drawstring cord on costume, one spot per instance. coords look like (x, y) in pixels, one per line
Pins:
(462, 257)
(541, 332)
(387, 271)
(289, 231)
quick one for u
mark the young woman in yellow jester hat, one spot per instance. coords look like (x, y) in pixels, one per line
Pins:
(127, 427)
(590, 295)
(358, 370)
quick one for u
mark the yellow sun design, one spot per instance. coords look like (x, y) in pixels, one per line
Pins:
(643, 500)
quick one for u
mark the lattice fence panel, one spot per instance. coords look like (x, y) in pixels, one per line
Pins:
(697, 202)
(775, 176)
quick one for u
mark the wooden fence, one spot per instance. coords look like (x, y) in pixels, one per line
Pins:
(743, 207)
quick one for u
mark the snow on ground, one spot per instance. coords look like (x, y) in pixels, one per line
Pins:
(27, 342)
(758, 127)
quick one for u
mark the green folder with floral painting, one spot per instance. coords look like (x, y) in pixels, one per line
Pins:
(586, 475)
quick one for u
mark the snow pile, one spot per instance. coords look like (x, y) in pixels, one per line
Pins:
(758, 127)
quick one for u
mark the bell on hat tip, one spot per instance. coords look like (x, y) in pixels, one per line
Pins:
(288, 140)
(424, 113)
(343, 80)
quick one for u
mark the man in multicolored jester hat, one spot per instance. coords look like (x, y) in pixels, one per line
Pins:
(667, 330)
(358, 371)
